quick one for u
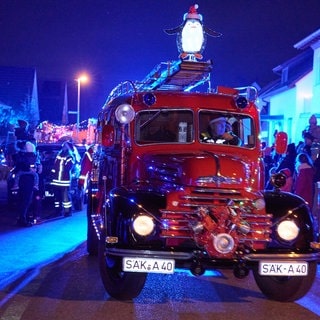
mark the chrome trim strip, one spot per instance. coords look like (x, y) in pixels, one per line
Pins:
(206, 197)
(216, 190)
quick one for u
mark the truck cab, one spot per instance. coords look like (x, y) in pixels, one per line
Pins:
(177, 181)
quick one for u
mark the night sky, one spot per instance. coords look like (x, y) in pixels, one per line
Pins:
(123, 40)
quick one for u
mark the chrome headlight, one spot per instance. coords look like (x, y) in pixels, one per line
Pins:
(143, 225)
(124, 113)
(288, 230)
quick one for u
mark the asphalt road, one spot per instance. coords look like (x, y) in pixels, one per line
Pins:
(70, 288)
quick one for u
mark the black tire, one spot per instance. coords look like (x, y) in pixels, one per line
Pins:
(92, 237)
(119, 285)
(285, 289)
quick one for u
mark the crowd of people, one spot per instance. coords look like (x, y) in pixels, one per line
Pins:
(30, 170)
(300, 165)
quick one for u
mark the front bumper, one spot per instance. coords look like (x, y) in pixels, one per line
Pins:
(251, 257)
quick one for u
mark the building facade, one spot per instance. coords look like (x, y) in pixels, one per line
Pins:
(287, 103)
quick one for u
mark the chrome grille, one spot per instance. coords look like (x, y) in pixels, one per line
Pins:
(176, 220)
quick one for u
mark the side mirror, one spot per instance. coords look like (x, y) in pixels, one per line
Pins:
(281, 142)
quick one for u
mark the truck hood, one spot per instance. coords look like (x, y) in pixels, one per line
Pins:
(203, 170)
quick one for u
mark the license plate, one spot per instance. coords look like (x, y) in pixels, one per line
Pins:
(272, 268)
(148, 265)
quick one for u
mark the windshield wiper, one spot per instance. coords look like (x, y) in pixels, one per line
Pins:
(151, 119)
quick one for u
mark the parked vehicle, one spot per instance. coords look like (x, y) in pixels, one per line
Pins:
(161, 196)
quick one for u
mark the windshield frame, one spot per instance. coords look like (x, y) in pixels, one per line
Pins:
(194, 126)
(158, 130)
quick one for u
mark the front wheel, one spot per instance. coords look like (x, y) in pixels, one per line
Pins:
(120, 285)
(285, 289)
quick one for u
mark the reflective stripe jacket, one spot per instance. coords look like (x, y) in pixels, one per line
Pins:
(62, 170)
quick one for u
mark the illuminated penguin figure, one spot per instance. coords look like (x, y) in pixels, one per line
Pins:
(191, 35)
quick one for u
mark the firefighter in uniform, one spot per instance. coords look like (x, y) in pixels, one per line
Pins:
(63, 165)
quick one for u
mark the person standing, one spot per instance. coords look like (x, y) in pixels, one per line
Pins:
(314, 128)
(61, 171)
(304, 178)
(289, 180)
(86, 166)
(25, 177)
(21, 132)
(305, 146)
(287, 162)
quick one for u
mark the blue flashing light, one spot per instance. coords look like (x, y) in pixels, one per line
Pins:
(208, 273)
(149, 99)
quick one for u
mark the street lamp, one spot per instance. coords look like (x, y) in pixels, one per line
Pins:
(82, 78)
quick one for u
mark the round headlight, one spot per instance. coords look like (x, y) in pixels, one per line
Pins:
(288, 230)
(143, 225)
(124, 113)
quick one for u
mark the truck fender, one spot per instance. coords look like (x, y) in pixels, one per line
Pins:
(124, 205)
(288, 206)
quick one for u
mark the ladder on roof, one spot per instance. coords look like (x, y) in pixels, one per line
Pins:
(177, 75)
(173, 75)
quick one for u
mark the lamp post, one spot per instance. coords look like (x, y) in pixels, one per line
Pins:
(82, 78)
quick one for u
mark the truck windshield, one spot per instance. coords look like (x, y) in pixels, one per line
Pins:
(177, 126)
(226, 128)
(163, 126)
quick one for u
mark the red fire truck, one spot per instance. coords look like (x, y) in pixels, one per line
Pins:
(166, 191)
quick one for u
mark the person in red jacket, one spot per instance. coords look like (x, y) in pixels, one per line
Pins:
(304, 177)
(86, 166)
(63, 165)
